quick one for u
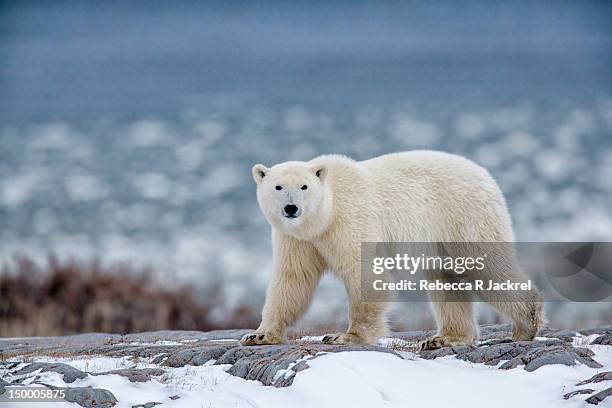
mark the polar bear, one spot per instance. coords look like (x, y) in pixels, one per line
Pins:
(320, 212)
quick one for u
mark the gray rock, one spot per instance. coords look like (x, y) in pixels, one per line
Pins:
(530, 354)
(266, 363)
(596, 330)
(160, 358)
(136, 375)
(415, 335)
(196, 356)
(69, 373)
(88, 397)
(564, 335)
(495, 331)
(577, 392)
(487, 332)
(91, 397)
(604, 339)
(3, 385)
(535, 359)
(114, 345)
(235, 354)
(599, 397)
(262, 363)
(599, 377)
(568, 335)
(182, 335)
(147, 405)
(504, 332)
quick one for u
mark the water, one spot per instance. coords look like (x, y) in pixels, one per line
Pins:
(128, 131)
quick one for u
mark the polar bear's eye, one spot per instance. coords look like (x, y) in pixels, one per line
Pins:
(279, 188)
(304, 187)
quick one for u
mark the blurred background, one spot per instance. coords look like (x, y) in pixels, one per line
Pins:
(128, 130)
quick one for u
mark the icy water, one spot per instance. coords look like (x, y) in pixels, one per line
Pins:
(129, 131)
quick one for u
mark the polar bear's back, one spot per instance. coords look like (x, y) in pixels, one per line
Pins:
(434, 166)
(436, 196)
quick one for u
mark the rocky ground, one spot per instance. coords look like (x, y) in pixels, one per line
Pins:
(45, 362)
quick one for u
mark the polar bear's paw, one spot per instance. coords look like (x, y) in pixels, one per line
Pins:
(439, 341)
(260, 338)
(342, 338)
(434, 343)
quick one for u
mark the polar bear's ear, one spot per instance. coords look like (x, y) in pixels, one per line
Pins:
(259, 172)
(320, 171)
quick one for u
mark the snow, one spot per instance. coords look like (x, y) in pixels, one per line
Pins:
(583, 341)
(358, 378)
(393, 343)
(311, 339)
(157, 343)
(289, 372)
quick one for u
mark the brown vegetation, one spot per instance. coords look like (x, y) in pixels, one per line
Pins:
(65, 297)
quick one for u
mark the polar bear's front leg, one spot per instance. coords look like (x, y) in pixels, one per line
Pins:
(298, 269)
(367, 320)
(456, 324)
(367, 325)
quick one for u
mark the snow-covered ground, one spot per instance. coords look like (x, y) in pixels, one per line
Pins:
(358, 379)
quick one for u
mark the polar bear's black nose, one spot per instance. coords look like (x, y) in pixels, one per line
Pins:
(290, 210)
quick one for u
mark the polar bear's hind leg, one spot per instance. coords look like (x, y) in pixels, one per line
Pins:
(456, 325)
(527, 316)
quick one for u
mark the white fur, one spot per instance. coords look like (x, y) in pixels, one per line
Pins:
(417, 196)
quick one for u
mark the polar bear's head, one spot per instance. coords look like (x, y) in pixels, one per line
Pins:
(294, 197)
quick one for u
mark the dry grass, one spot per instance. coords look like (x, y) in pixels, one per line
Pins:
(66, 297)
